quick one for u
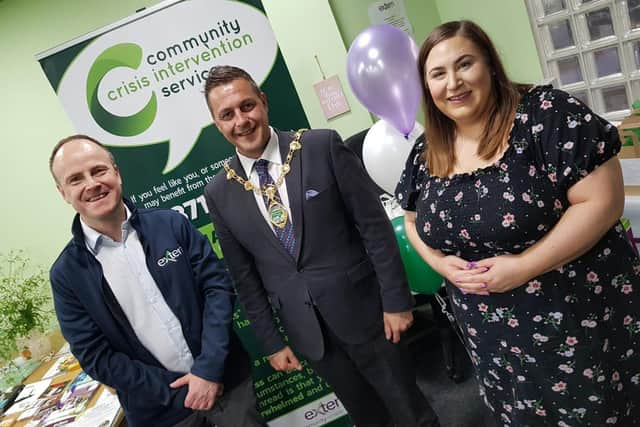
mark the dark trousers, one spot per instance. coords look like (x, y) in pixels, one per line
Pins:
(235, 408)
(375, 382)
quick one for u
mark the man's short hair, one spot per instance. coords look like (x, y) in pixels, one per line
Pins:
(223, 74)
(75, 137)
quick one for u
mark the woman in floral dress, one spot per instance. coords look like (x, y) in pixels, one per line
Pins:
(515, 198)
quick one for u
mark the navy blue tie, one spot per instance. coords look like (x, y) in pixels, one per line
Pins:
(284, 234)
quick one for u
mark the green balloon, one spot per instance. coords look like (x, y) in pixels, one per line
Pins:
(422, 278)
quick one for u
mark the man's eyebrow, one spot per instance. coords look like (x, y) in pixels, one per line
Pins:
(69, 177)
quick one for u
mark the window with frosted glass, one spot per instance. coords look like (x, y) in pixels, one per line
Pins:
(591, 49)
(599, 24)
(569, 70)
(615, 98)
(633, 7)
(607, 61)
(553, 6)
(636, 53)
(561, 35)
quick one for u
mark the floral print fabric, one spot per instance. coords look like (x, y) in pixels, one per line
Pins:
(564, 348)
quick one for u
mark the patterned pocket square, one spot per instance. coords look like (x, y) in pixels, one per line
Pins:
(310, 194)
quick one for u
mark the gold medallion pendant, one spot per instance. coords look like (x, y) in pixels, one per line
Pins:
(277, 214)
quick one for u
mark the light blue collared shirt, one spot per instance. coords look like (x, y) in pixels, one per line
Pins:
(125, 269)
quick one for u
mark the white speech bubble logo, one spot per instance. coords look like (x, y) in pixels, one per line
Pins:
(128, 102)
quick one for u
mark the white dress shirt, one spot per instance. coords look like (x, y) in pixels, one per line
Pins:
(272, 154)
(125, 269)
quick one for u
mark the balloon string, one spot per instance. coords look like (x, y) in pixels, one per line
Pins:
(454, 325)
(320, 67)
(391, 206)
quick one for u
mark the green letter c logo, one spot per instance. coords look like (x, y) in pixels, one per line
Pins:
(121, 55)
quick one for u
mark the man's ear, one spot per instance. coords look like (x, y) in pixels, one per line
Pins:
(213, 117)
(62, 193)
(210, 108)
(263, 98)
(117, 169)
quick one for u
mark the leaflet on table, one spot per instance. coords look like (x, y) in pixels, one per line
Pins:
(61, 403)
(65, 349)
(28, 397)
(102, 413)
(62, 364)
(46, 404)
(78, 394)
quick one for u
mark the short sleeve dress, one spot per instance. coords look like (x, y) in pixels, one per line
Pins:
(564, 348)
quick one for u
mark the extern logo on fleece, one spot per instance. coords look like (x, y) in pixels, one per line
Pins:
(121, 55)
(170, 256)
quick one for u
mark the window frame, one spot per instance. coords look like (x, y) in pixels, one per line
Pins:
(583, 47)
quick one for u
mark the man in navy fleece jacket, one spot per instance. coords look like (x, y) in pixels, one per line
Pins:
(144, 302)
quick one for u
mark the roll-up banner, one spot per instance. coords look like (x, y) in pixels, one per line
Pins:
(137, 86)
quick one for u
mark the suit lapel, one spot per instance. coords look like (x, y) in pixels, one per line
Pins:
(294, 187)
(247, 203)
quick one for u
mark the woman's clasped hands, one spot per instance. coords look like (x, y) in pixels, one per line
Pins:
(496, 274)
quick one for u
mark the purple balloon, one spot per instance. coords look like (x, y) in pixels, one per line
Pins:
(383, 74)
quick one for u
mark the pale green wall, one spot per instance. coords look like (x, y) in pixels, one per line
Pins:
(304, 30)
(33, 216)
(352, 17)
(36, 219)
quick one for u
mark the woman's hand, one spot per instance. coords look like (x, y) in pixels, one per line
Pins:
(459, 272)
(500, 274)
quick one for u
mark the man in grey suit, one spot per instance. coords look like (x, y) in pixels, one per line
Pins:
(305, 236)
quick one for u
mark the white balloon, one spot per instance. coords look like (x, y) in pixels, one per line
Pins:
(385, 152)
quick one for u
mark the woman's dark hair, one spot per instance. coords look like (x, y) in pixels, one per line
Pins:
(440, 130)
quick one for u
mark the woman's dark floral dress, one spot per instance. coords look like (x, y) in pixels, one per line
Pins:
(564, 348)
